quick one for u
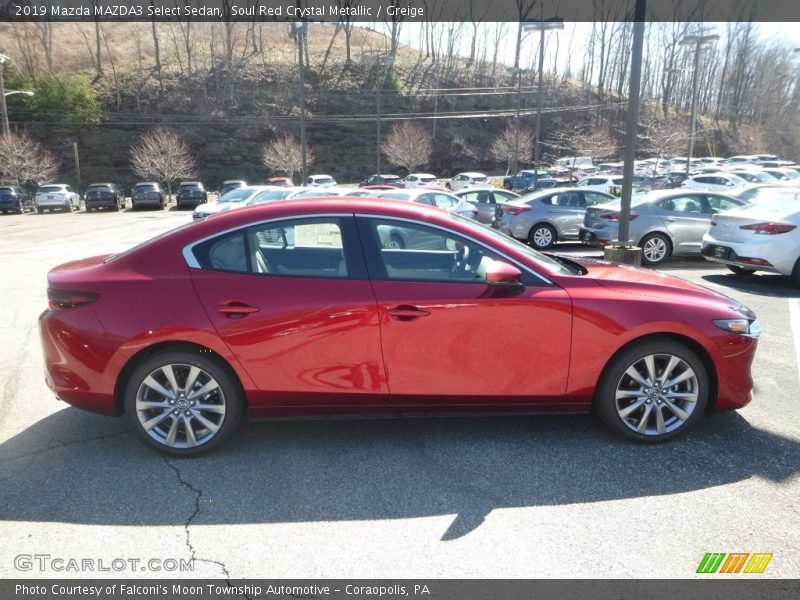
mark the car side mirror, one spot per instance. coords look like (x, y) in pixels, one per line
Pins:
(502, 274)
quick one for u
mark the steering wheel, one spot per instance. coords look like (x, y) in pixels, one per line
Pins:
(466, 263)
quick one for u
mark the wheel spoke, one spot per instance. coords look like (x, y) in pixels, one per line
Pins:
(157, 387)
(148, 425)
(191, 379)
(634, 374)
(625, 394)
(676, 410)
(659, 420)
(674, 361)
(169, 373)
(645, 417)
(650, 363)
(630, 408)
(210, 408)
(681, 395)
(687, 374)
(143, 405)
(173, 431)
(191, 440)
(211, 426)
(207, 388)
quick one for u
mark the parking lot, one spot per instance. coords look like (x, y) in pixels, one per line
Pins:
(554, 496)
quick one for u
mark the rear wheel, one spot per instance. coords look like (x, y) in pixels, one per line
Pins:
(542, 236)
(796, 273)
(656, 248)
(396, 242)
(652, 391)
(183, 403)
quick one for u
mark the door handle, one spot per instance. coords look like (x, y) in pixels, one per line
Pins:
(406, 312)
(234, 309)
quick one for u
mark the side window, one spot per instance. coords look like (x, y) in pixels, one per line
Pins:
(686, 204)
(592, 198)
(719, 204)
(442, 201)
(227, 253)
(472, 197)
(549, 200)
(416, 252)
(425, 199)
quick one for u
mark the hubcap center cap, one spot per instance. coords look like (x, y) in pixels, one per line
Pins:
(182, 404)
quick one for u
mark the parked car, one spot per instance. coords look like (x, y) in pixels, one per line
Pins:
(56, 196)
(266, 328)
(720, 182)
(16, 199)
(546, 184)
(734, 161)
(385, 179)
(487, 201)
(784, 174)
(546, 217)
(463, 180)
(753, 175)
(662, 224)
(328, 192)
(235, 198)
(601, 183)
(280, 181)
(147, 194)
(190, 194)
(763, 236)
(230, 184)
(524, 178)
(752, 192)
(103, 195)
(413, 180)
(277, 193)
(320, 181)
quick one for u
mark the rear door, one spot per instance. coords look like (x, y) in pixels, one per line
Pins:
(292, 300)
(685, 220)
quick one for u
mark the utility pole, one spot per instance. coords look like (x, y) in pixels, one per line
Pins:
(380, 61)
(3, 110)
(517, 125)
(699, 42)
(77, 167)
(297, 30)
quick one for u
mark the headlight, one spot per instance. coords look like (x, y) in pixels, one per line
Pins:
(747, 327)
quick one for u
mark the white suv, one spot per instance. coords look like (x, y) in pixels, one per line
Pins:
(718, 182)
(320, 181)
(464, 180)
(56, 196)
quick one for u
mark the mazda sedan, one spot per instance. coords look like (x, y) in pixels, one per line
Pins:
(299, 307)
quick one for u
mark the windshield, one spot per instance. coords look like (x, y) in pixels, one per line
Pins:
(237, 195)
(145, 187)
(269, 196)
(49, 189)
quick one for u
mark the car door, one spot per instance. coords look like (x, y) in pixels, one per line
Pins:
(449, 338)
(685, 219)
(566, 213)
(292, 301)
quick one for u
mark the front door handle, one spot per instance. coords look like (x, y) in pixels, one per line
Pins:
(406, 312)
(233, 309)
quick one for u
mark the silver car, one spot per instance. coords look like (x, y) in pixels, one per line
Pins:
(56, 196)
(548, 216)
(663, 223)
(235, 198)
(487, 201)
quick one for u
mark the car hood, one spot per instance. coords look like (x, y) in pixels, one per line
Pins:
(209, 208)
(627, 279)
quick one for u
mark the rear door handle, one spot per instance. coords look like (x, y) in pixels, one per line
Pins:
(406, 312)
(233, 309)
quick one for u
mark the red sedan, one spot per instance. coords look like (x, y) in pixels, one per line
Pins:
(304, 307)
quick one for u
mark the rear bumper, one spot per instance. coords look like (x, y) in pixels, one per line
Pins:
(782, 255)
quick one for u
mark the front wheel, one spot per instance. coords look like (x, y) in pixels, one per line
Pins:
(655, 249)
(183, 403)
(653, 391)
(542, 236)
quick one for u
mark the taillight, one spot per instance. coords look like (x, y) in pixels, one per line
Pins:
(66, 299)
(616, 216)
(769, 228)
(515, 210)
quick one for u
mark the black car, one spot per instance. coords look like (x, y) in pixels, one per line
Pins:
(147, 193)
(381, 180)
(231, 184)
(191, 194)
(103, 195)
(15, 199)
(546, 184)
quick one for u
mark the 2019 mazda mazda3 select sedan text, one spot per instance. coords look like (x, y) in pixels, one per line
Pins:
(300, 307)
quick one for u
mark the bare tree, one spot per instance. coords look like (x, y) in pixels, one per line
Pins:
(596, 142)
(164, 156)
(285, 155)
(23, 159)
(408, 145)
(514, 142)
(662, 139)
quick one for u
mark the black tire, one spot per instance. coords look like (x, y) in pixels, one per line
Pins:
(644, 404)
(226, 397)
(739, 271)
(39, 210)
(796, 273)
(542, 236)
(656, 248)
(396, 242)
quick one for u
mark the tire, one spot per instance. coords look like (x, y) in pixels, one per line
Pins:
(542, 236)
(506, 185)
(160, 407)
(39, 211)
(396, 242)
(796, 273)
(656, 248)
(631, 409)
(739, 271)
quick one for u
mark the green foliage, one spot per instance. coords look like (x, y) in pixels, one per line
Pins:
(70, 99)
(615, 190)
(390, 82)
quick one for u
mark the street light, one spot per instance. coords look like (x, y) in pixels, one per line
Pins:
(552, 24)
(699, 42)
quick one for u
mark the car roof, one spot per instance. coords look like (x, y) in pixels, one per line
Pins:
(472, 174)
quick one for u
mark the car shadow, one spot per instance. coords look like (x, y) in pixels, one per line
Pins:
(76, 467)
(761, 284)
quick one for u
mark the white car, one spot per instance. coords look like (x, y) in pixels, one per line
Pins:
(463, 180)
(736, 161)
(753, 175)
(235, 198)
(320, 181)
(718, 182)
(763, 236)
(413, 180)
(56, 196)
(603, 183)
